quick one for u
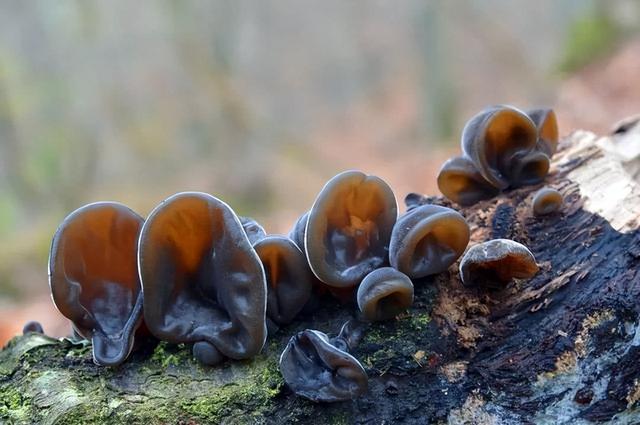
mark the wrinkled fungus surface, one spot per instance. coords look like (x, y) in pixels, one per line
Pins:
(495, 263)
(94, 277)
(316, 369)
(253, 229)
(203, 282)
(349, 227)
(384, 293)
(547, 125)
(546, 201)
(288, 277)
(427, 239)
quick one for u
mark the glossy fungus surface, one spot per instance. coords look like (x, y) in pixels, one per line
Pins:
(349, 227)
(32, 326)
(297, 232)
(203, 281)
(94, 280)
(427, 240)
(316, 369)
(288, 277)
(501, 142)
(253, 229)
(495, 263)
(461, 182)
(547, 125)
(384, 293)
(546, 201)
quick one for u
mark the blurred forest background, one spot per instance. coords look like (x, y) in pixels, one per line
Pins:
(260, 102)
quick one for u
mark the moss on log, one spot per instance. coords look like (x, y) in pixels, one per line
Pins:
(563, 347)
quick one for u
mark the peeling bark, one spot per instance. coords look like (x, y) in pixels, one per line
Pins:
(563, 347)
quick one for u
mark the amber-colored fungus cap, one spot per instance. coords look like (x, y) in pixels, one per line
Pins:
(494, 263)
(427, 240)
(546, 201)
(203, 281)
(384, 293)
(315, 369)
(349, 227)
(547, 125)
(496, 140)
(288, 277)
(93, 277)
(461, 182)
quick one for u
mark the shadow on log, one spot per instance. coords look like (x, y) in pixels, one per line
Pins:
(563, 347)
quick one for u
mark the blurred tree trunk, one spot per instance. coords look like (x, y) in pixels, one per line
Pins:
(563, 347)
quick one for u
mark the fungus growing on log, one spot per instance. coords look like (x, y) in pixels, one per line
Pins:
(546, 201)
(94, 280)
(427, 239)
(384, 293)
(288, 277)
(203, 281)
(316, 369)
(495, 263)
(502, 147)
(349, 227)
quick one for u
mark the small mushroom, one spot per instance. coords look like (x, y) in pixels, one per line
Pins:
(253, 229)
(547, 125)
(349, 227)
(32, 326)
(499, 141)
(494, 263)
(94, 280)
(297, 232)
(288, 277)
(316, 369)
(427, 240)
(460, 181)
(384, 293)
(203, 281)
(546, 201)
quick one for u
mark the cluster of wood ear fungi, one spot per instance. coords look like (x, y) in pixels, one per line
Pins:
(194, 272)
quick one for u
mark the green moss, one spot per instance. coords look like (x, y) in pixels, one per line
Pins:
(13, 406)
(167, 355)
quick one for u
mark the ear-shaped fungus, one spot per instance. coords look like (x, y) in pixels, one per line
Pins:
(203, 282)
(501, 142)
(349, 227)
(288, 277)
(494, 263)
(546, 201)
(94, 277)
(32, 326)
(316, 369)
(427, 240)
(461, 182)
(253, 229)
(547, 125)
(384, 293)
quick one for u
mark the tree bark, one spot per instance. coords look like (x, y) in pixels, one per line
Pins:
(562, 347)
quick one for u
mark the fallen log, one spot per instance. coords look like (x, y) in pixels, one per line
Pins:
(563, 347)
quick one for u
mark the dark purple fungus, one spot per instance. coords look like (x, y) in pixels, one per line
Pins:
(316, 369)
(384, 293)
(495, 263)
(94, 280)
(32, 326)
(546, 201)
(501, 143)
(288, 277)
(427, 240)
(349, 227)
(253, 229)
(461, 182)
(297, 232)
(547, 125)
(203, 282)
